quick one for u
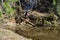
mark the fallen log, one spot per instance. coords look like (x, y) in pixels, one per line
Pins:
(27, 21)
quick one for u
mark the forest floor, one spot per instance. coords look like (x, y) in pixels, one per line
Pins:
(29, 32)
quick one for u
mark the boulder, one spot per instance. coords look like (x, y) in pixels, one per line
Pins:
(9, 35)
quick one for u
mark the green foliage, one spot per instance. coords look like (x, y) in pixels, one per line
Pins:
(12, 0)
(54, 2)
(0, 12)
(7, 7)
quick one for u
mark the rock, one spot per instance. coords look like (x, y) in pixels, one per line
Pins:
(9, 35)
(37, 33)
